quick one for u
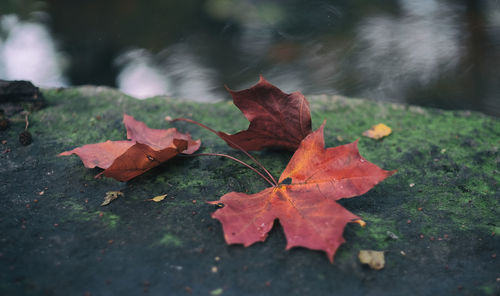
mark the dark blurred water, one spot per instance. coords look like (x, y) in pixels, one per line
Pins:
(428, 52)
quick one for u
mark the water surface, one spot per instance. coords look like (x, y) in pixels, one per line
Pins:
(431, 53)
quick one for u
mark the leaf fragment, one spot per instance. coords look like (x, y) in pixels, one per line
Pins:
(110, 196)
(378, 131)
(374, 259)
(157, 198)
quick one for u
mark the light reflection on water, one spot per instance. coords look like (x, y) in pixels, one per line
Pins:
(428, 52)
(29, 52)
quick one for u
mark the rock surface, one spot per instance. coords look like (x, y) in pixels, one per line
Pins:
(437, 219)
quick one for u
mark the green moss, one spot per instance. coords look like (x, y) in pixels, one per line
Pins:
(374, 234)
(78, 212)
(451, 158)
(488, 289)
(170, 240)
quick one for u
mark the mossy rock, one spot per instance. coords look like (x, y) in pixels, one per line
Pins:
(443, 206)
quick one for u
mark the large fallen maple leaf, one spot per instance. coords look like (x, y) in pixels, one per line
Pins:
(147, 148)
(277, 119)
(304, 200)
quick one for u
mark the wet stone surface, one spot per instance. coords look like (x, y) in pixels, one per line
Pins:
(437, 219)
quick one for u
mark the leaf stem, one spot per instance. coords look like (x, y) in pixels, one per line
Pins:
(231, 142)
(26, 120)
(232, 158)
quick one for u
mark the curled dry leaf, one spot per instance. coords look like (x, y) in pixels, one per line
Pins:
(157, 198)
(378, 131)
(277, 119)
(146, 148)
(110, 196)
(304, 200)
(375, 259)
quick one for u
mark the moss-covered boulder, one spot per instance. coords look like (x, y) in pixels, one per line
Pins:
(437, 219)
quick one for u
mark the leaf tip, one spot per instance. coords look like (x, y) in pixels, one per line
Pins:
(360, 222)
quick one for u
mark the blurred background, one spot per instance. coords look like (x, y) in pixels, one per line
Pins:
(435, 53)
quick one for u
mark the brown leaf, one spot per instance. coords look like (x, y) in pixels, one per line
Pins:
(277, 119)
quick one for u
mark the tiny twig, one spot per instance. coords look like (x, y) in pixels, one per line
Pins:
(232, 158)
(231, 142)
(26, 120)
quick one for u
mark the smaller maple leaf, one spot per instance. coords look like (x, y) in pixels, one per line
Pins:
(147, 148)
(304, 200)
(277, 119)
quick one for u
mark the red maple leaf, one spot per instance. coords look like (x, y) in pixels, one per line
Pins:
(277, 119)
(304, 200)
(147, 148)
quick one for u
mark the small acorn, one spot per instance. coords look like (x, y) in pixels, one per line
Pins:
(25, 138)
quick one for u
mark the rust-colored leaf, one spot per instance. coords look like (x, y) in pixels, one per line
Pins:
(277, 119)
(147, 148)
(157, 139)
(100, 155)
(304, 200)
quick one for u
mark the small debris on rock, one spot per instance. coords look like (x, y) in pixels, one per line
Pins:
(217, 292)
(25, 138)
(157, 198)
(378, 131)
(391, 234)
(110, 196)
(375, 259)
